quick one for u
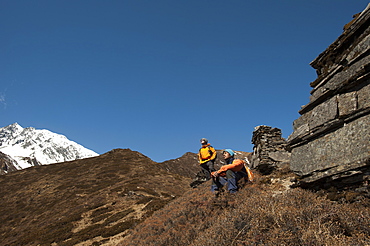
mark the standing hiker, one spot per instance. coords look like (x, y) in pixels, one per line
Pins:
(207, 156)
(230, 173)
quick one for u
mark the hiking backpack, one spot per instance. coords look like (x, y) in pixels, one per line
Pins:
(249, 171)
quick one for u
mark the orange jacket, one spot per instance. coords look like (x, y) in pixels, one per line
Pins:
(206, 153)
(236, 166)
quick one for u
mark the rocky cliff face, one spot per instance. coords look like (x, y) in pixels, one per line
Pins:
(331, 140)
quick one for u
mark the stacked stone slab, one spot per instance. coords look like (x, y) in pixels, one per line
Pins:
(269, 149)
(330, 143)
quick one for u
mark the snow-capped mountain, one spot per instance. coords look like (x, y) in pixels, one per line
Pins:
(32, 147)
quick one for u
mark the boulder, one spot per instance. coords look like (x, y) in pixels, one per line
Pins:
(269, 151)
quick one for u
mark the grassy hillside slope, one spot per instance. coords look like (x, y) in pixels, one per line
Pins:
(264, 213)
(124, 198)
(88, 202)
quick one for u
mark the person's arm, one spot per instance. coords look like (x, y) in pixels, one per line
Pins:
(236, 166)
(214, 153)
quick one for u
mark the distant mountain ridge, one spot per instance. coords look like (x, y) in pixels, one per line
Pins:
(28, 147)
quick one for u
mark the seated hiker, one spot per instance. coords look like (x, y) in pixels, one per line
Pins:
(230, 173)
(207, 156)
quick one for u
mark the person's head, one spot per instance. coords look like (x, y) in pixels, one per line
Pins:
(228, 153)
(204, 141)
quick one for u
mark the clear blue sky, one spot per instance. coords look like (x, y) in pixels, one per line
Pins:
(155, 76)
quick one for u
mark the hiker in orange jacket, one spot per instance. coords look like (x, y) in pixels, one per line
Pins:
(207, 156)
(230, 173)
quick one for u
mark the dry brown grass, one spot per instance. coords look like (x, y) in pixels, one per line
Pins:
(85, 201)
(257, 215)
(124, 198)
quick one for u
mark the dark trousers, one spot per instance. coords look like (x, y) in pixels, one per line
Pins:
(207, 168)
(231, 180)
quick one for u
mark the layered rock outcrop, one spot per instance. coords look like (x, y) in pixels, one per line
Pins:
(330, 143)
(269, 151)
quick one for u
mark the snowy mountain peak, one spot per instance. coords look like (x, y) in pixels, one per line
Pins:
(30, 146)
(11, 130)
(15, 126)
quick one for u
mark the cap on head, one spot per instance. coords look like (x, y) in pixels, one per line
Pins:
(204, 140)
(229, 151)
